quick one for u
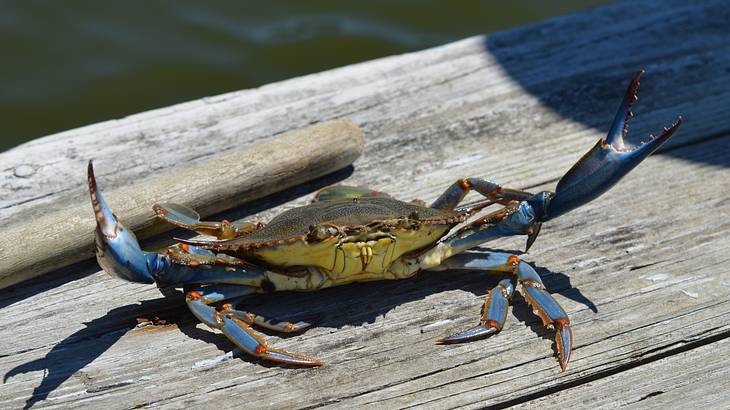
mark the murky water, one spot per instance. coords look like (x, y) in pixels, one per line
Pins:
(72, 63)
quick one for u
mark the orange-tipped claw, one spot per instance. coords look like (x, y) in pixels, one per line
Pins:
(549, 311)
(493, 317)
(564, 341)
(237, 330)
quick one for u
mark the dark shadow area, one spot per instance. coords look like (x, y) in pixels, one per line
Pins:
(354, 305)
(580, 65)
(712, 151)
(43, 283)
(558, 282)
(84, 346)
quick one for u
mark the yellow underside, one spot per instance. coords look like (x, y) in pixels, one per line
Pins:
(353, 259)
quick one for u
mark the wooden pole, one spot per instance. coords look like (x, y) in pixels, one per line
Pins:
(64, 237)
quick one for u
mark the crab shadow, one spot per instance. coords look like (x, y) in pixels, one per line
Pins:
(72, 354)
(349, 305)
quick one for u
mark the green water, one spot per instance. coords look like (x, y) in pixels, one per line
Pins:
(72, 63)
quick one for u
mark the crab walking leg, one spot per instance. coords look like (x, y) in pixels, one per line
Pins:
(458, 190)
(267, 323)
(236, 329)
(494, 315)
(184, 217)
(544, 306)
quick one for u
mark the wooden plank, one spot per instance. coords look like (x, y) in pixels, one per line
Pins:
(692, 377)
(650, 256)
(211, 186)
(619, 253)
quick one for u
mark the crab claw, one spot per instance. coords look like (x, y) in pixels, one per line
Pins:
(564, 342)
(609, 160)
(117, 249)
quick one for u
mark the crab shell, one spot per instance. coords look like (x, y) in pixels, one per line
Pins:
(344, 238)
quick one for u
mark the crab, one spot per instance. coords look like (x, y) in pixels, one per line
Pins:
(354, 234)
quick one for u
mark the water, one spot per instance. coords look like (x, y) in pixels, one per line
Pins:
(72, 63)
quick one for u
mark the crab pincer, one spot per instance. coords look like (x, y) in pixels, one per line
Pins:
(117, 249)
(608, 161)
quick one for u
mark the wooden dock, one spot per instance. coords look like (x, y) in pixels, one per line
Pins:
(643, 271)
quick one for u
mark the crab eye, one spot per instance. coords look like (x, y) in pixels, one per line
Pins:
(320, 233)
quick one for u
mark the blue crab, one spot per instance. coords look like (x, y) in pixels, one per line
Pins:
(352, 234)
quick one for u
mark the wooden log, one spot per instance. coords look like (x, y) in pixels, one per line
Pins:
(64, 237)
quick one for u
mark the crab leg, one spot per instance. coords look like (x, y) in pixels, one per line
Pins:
(187, 218)
(234, 327)
(518, 219)
(458, 190)
(543, 304)
(267, 323)
(494, 315)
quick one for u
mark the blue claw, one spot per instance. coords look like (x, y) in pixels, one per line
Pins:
(117, 249)
(604, 165)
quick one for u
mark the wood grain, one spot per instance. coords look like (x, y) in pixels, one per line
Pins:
(642, 271)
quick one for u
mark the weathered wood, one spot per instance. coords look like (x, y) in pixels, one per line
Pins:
(655, 273)
(693, 377)
(519, 107)
(64, 237)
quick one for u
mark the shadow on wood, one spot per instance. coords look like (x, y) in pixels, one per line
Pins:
(350, 305)
(578, 91)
